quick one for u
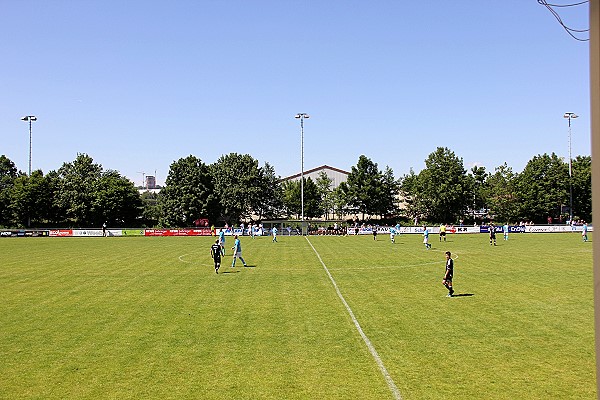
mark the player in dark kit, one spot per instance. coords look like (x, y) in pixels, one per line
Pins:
(492, 234)
(447, 281)
(215, 252)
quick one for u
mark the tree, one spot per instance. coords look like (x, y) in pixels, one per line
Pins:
(76, 192)
(31, 199)
(501, 194)
(478, 178)
(269, 202)
(581, 168)
(339, 201)
(116, 200)
(324, 188)
(188, 194)
(56, 211)
(363, 187)
(543, 188)
(414, 198)
(444, 185)
(84, 195)
(151, 209)
(238, 183)
(292, 199)
(8, 174)
(313, 207)
(389, 190)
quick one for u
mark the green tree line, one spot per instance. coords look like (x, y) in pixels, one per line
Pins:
(237, 188)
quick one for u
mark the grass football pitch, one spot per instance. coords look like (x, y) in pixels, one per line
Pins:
(148, 318)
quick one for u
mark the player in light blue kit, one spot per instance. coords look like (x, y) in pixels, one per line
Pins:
(397, 227)
(274, 231)
(393, 234)
(237, 252)
(505, 231)
(426, 238)
(222, 241)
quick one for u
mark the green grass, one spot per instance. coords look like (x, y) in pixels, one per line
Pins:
(140, 318)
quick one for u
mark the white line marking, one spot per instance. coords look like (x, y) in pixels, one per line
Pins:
(180, 259)
(384, 371)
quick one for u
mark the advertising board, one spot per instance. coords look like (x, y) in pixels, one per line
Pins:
(24, 233)
(60, 232)
(96, 232)
(178, 232)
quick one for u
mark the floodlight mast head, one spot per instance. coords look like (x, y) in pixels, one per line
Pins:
(302, 115)
(29, 118)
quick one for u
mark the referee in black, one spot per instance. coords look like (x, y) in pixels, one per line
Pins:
(447, 281)
(215, 252)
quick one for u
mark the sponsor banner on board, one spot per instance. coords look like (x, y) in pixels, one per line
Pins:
(467, 229)
(60, 232)
(133, 232)
(385, 230)
(178, 232)
(368, 230)
(96, 232)
(555, 228)
(24, 233)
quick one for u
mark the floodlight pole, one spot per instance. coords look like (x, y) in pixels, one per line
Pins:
(29, 118)
(569, 116)
(301, 117)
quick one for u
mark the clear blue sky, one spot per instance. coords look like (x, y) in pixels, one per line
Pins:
(140, 84)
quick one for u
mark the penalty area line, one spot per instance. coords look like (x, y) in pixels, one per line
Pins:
(388, 378)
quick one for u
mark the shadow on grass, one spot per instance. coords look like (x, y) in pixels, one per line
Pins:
(463, 295)
(231, 272)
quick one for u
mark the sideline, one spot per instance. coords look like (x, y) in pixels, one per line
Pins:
(384, 371)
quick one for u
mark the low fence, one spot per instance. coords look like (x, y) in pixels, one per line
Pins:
(368, 230)
(260, 232)
(121, 232)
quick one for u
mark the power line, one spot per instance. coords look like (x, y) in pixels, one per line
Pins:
(564, 5)
(570, 31)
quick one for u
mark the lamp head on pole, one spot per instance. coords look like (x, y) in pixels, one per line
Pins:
(570, 115)
(302, 115)
(29, 118)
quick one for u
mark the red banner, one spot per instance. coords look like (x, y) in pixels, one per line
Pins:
(60, 232)
(177, 232)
